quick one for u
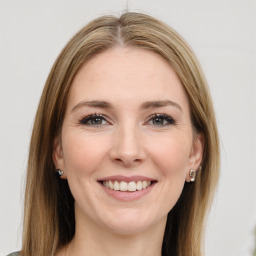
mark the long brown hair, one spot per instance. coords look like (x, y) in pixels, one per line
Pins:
(49, 221)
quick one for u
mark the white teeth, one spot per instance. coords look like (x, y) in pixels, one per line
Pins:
(111, 184)
(139, 185)
(123, 186)
(126, 186)
(116, 185)
(132, 186)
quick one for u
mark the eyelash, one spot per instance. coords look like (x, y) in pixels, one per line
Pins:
(164, 117)
(86, 119)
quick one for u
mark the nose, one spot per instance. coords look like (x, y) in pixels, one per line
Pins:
(127, 147)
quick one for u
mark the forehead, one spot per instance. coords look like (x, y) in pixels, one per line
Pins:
(127, 74)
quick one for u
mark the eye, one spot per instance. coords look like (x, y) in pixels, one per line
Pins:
(160, 120)
(94, 120)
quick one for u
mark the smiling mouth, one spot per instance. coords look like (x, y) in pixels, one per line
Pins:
(124, 186)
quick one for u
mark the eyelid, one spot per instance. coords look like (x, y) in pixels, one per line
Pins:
(162, 115)
(86, 118)
(91, 116)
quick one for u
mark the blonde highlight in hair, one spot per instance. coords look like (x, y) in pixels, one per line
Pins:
(49, 221)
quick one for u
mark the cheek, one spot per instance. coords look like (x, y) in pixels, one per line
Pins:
(171, 155)
(83, 153)
(171, 159)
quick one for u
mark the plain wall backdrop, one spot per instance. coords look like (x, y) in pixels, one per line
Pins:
(223, 35)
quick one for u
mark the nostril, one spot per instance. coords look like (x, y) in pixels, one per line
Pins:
(118, 159)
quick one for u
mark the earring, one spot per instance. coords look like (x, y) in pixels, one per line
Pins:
(59, 172)
(192, 175)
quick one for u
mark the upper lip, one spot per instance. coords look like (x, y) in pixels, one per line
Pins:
(126, 178)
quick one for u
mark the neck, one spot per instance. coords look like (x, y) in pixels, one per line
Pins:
(92, 239)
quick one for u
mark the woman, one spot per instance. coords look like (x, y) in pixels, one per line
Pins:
(127, 124)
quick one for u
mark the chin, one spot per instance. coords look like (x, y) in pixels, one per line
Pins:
(132, 222)
(128, 229)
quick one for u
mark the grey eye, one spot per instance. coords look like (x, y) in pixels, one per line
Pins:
(161, 120)
(93, 120)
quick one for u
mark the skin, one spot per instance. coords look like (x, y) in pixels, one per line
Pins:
(128, 140)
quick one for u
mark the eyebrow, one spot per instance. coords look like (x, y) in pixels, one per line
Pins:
(145, 105)
(93, 103)
(160, 103)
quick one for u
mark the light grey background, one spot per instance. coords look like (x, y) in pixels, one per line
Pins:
(222, 33)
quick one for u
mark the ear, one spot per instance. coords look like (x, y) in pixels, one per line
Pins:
(196, 154)
(57, 156)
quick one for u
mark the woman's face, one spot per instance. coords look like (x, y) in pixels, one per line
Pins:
(127, 142)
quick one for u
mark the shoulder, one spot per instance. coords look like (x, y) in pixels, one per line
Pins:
(14, 254)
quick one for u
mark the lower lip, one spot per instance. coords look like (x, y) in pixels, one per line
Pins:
(128, 196)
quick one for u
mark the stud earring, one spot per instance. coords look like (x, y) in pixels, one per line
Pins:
(59, 172)
(192, 175)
